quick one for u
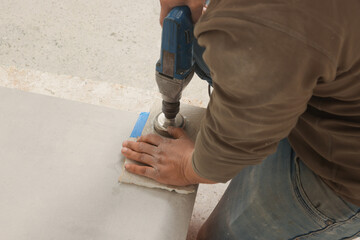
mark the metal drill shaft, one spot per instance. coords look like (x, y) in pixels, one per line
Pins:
(170, 109)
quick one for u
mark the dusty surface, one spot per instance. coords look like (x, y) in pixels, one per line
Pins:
(107, 94)
(108, 41)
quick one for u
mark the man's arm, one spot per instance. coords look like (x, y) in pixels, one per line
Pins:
(262, 79)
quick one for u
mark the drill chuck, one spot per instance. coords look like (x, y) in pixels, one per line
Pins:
(171, 90)
(170, 110)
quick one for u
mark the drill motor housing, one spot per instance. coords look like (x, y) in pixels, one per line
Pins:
(175, 68)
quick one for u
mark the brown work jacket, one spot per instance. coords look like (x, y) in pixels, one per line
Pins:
(282, 68)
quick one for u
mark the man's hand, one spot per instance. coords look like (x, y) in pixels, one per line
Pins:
(196, 7)
(168, 160)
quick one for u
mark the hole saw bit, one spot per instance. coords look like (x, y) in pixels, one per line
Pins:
(175, 68)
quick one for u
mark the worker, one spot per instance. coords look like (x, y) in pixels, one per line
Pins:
(283, 121)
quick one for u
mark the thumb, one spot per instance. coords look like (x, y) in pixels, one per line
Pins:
(163, 13)
(176, 132)
(196, 14)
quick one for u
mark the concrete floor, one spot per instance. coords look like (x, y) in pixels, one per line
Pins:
(98, 52)
(113, 41)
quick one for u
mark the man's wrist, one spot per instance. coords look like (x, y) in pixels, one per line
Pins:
(192, 177)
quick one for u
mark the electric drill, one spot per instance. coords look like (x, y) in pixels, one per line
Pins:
(175, 68)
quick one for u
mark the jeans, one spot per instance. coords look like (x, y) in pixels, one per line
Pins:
(281, 199)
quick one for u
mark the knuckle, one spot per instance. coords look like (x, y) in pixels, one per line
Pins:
(149, 136)
(157, 151)
(141, 147)
(162, 149)
(142, 157)
(156, 173)
(144, 171)
(130, 168)
(130, 154)
(149, 172)
(144, 138)
(131, 145)
(159, 159)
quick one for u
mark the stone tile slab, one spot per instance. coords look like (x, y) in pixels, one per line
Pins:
(59, 165)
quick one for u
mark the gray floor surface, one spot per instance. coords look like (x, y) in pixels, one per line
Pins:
(111, 40)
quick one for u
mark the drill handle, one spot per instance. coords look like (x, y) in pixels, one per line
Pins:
(176, 56)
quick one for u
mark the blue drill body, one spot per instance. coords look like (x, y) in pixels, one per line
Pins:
(176, 56)
(175, 68)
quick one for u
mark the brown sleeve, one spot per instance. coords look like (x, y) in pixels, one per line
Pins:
(262, 79)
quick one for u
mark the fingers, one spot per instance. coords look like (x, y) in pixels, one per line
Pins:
(194, 5)
(139, 157)
(176, 132)
(163, 13)
(142, 170)
(151, 138)
(196, 12)
(140, 147)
